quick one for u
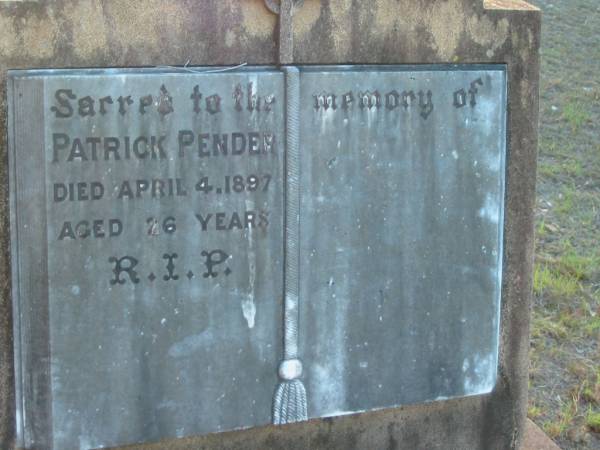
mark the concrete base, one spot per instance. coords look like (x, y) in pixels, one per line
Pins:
(536, 439)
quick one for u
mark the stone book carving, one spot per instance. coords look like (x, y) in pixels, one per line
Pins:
(207, 249)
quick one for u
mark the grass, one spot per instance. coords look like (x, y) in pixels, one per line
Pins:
(572, 168)
(567, 414)
(593, 328)
(564, 377)
(547, 280)
(565, 202)
(547, 326)
(576, 114)
(533, 412)
(593, 421)
(591, 392)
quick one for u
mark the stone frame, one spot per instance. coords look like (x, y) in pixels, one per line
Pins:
(114, 33)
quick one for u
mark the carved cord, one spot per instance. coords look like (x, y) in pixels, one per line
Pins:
(290, 403)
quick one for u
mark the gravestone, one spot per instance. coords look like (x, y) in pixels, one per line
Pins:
(211, 248)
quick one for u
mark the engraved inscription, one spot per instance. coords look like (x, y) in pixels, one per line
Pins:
(374, 100)
(217, 193)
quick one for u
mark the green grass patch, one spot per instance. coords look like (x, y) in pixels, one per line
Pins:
(540, 229)
(591, 392)
(592, 420)
(547, 326)
(551, 147)
(558, 427)
(549, 170)
(561, 167)
(533, 412)
(572, 168)
(569, 320)
(588, 218)
(565, 204)
(576, 114)
(549, 280)
(592, 328)
(578, 266)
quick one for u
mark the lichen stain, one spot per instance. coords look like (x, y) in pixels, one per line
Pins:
(306, 17)
(257, 21)
(145, 27)
(445, 21)
(9, 41)
(229, 38)
(526, 94)
(487, 34)
(89, 28)
(33, 36)
(387, 15)
(390, 16)
(524, 87)
(341, 18)
(39, 37)
(530, 37)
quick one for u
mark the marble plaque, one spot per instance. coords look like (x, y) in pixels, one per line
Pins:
(401, 225)
(156, 215)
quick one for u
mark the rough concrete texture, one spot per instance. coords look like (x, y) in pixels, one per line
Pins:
(536, 439)
(113, 33)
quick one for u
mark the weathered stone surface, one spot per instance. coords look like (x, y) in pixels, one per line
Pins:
(87, 33)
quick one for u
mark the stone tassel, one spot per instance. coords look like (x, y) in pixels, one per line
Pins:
(290, 403)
